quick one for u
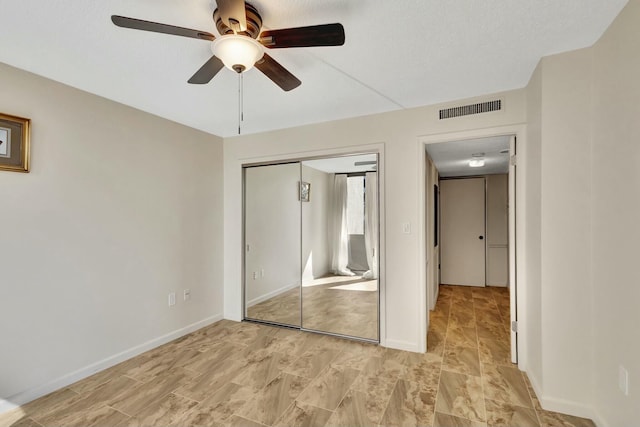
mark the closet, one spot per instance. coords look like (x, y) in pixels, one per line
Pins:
(311, 244)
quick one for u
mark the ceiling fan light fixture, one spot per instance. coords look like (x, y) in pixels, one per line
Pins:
(238, 53)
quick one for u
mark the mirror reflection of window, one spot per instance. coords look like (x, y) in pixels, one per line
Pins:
(355, 204)
(355, 224)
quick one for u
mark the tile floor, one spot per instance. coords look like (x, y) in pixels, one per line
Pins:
(243, 374)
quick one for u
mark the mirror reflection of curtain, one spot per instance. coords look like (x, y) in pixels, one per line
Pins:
(339, 233)
(371, 224)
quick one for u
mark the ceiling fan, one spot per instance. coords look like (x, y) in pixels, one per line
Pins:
(241, 44)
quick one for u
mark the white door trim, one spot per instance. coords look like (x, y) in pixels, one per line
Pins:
(513, 291)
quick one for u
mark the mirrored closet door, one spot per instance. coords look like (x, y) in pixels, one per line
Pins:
(336, 203)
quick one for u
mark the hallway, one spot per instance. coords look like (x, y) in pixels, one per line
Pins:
(470, 330)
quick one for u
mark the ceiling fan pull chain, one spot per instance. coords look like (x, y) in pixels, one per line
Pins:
(239, 102)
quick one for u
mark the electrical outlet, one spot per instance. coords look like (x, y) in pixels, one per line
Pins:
(255, 275)
(623, 380)
(187, 294)
(172, 299)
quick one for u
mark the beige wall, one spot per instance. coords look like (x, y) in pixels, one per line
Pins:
(397, 136)
(119, 209)
(566, 226)
(530, 169)
(582, 151)
(615, 211)
(560, 104)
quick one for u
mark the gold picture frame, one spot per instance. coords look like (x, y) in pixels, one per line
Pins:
(14, 143)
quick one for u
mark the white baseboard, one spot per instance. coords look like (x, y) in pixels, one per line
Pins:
(403, 345)
(271, 294)
(6, 406)
(566, 406)
(26, 396)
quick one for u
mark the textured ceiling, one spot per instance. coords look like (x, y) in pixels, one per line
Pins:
(398, 54)
(452, 158)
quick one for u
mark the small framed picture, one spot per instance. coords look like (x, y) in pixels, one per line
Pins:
(14, 143)
(305, 191)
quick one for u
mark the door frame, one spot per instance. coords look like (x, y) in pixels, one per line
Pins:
(516, 240)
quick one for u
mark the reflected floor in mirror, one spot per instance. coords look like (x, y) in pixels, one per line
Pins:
(345, 305)
(283, 308)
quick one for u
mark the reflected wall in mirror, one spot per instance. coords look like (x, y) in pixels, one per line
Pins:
(272, 243)
(340, 247)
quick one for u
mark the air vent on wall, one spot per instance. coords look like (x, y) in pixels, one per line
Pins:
(466, 110)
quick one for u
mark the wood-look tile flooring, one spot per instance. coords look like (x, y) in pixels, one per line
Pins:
(330, 305)
(243, 374)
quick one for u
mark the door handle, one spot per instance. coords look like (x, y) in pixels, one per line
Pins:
(480, 237)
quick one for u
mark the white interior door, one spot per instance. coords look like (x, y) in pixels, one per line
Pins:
(463, 231)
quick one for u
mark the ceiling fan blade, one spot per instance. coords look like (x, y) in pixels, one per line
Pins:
(316, 35)
(277, 73)
(156, 27)
(207, 71)
(233, 14)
